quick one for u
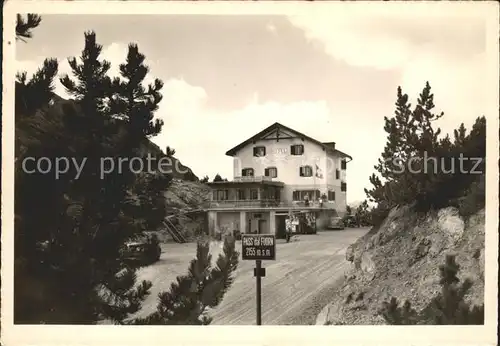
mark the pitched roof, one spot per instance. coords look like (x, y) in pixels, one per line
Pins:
(329, 146)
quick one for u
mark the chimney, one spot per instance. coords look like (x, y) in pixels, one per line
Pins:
(330, 144)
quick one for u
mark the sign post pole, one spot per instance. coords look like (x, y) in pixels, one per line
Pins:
(258, 266)
(258, 248)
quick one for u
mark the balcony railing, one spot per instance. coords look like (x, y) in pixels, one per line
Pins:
(268, 203)
(256, 179)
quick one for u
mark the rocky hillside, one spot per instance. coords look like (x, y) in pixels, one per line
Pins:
(185, 199)
(179, 171)
(401, 259)
(184, 195)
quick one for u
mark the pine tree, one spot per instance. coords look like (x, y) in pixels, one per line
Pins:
(450, 307)
(348, 210)
(83, 255)
(170, 152)
(92, 86)
(68, 231)
(400, 133)
(203, 287)
(119, 113)
(36, 92)
(414, 142)
(362, 214)
(399, 315)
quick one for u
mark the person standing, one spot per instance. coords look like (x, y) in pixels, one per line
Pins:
(288, 228)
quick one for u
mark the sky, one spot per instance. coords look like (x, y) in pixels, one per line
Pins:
(330, 76)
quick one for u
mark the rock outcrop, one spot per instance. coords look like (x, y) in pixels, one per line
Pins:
(401, 259)
(185, 201)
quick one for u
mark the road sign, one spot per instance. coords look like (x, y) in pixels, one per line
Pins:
(257, 247)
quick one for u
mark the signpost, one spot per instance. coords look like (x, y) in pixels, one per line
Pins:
(258, 248)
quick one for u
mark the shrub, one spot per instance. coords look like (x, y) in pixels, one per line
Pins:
(378, 214)
(474, 200)
(447, 308)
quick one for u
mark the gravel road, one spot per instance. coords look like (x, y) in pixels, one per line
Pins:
(297, 285)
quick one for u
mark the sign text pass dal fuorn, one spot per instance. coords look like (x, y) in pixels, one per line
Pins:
(258, 247)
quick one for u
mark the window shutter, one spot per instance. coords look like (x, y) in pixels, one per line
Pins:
(343, 187)
(343, 164)
(266, 172)
(307, 171)
(301, 171)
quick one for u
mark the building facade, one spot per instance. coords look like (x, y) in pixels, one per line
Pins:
(277, 172)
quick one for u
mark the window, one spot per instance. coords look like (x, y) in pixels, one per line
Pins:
(300, 195)
(259, 151)
(343, 187)
(306, 171)
(337, 174)
(254, 194)
(297, 149)
(242, 194)
(247, 172)
(222, 195)
(331, 195)
(343, 164)
(271, 172)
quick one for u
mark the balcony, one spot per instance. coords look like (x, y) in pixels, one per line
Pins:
(267, 203)
(240, 181)
(257, 179)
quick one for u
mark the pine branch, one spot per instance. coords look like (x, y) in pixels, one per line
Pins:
(24, 27)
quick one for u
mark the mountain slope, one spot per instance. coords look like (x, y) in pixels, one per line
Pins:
(401, 258)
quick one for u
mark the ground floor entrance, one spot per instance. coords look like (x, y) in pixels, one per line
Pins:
(264, 222)
(241, 222)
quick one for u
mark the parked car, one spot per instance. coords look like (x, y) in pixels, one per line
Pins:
(336, 223)
(143, 250)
